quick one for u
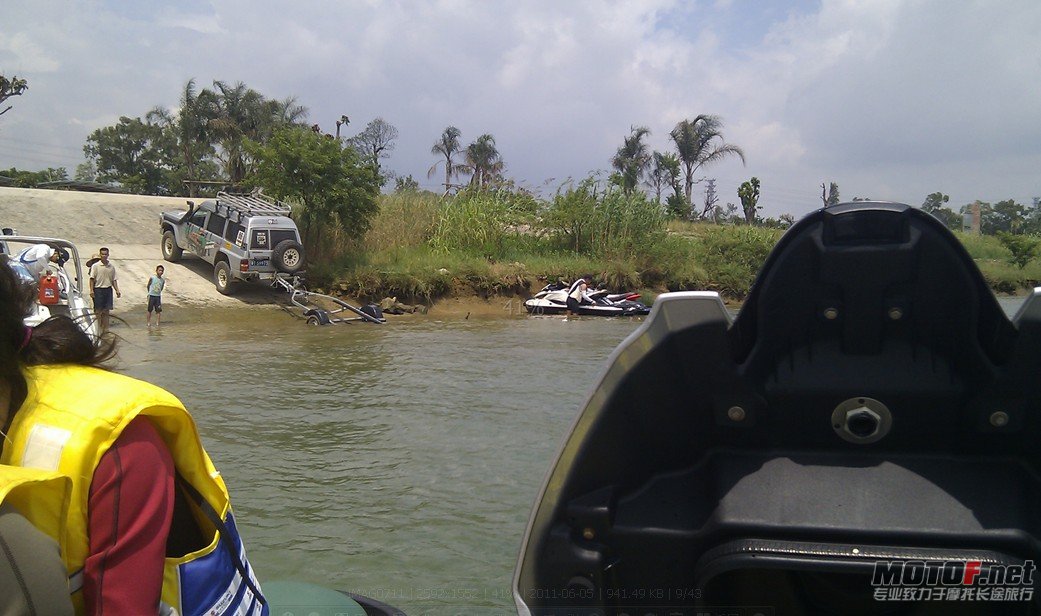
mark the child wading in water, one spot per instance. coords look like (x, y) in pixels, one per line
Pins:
(155, 286)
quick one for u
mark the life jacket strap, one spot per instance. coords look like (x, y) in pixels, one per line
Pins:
(76, 582)
(225, 533)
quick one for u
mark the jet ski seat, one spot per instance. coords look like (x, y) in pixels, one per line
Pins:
(871, 403)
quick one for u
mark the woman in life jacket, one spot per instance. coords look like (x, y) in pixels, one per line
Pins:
(32, 574)
(147, 527)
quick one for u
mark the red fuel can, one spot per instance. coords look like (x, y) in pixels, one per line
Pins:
(48, 289)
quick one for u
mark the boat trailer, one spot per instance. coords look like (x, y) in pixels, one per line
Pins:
(316, 315)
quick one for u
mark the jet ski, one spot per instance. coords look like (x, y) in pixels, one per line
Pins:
(552, 299)
(861, 438)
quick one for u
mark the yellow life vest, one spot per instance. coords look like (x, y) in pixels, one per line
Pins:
(41, 496)
(71, 416)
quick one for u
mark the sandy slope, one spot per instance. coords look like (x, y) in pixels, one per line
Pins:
(129, 226)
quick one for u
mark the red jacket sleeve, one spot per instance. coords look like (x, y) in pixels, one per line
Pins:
(130, 508)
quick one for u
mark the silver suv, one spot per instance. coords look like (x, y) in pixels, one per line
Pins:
(244, 237)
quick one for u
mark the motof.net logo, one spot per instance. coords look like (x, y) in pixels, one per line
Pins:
(967, 580)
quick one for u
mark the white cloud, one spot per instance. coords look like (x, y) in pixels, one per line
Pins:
(21, 53)
(901, 97)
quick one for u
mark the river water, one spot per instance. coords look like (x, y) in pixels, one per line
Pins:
(397, 461)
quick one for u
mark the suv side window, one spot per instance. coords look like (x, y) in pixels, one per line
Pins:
(235, 234)
(216, 224)
(198, 219)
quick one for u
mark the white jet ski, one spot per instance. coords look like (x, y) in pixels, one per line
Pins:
(552, 299)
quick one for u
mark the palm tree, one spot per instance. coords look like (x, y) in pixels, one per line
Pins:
(483, 160)
(632, 158)
(663, 172)
(285, 112)
(699, 142)
(448, 146)
(190, 128)
(238, 113)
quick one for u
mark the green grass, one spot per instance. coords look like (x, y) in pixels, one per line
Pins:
(983, 247)
(995, 262)
(421, 247)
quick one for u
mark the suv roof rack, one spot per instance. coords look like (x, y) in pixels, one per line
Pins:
(252, 204)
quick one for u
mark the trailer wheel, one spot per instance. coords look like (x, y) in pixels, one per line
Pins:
(317, 316)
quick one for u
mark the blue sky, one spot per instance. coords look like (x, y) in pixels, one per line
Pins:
(891, 99)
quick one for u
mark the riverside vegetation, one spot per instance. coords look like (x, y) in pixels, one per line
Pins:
(421, 247)
(490, 238)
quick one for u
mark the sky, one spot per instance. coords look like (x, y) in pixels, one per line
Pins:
(890, 99)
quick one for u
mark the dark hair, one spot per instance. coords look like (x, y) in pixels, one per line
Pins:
(58, 340)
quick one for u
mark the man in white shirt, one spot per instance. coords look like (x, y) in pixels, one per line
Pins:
(102, 283)
(576, 295)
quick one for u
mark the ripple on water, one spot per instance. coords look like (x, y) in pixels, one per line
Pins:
(380, 459)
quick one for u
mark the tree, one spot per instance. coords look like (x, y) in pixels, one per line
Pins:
(406, 184)
(1023, 248)
(662, 173)
(375, 142)
(711, 199)
(236, 114)
(831, 196)
(1004, 216)
(336, 189)
(1009, 216)
(86, 172)
(631, 159)
(484, 161)
(726, 214)
(699, 142)
(748, 193)
(279, 114)
(1032, 225)
(933, 204)
(189, 126)
(10, 88)
(133, 154)
(31, 179)
(448, 146)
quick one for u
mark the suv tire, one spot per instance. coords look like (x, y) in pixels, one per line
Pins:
(171, 251)
(222, 278)
(288, 256)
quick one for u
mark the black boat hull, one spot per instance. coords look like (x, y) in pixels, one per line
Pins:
(870, 406)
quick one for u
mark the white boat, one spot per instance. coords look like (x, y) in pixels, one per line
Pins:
(71, 300)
